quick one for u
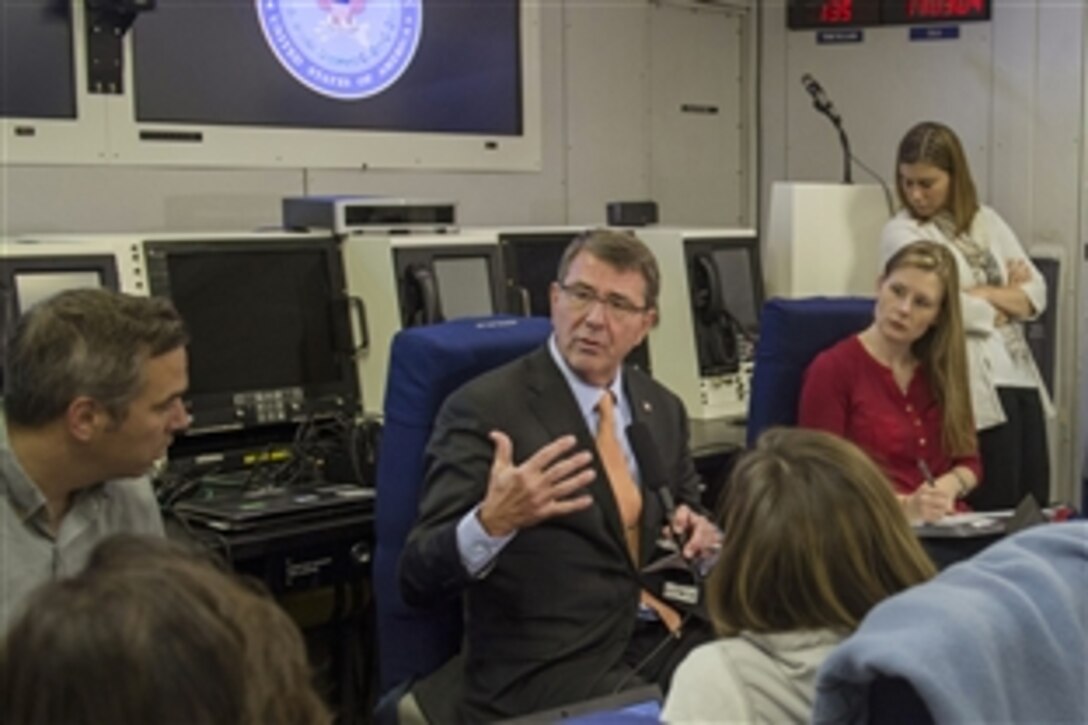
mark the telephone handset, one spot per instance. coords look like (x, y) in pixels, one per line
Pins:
(421, 303)
(715, 330)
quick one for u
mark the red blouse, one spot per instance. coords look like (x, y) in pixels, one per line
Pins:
(847, 392)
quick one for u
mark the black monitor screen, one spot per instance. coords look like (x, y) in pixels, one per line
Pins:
(532, 264)
(738, 285)
(269, 327)
(440, 66)
(464, 286)
(734, 279)
(726, 282)
(37, 76)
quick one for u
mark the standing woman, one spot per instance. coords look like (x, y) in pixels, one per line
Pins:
(1000, 288)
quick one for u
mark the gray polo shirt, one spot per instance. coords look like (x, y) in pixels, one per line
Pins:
(30, 554)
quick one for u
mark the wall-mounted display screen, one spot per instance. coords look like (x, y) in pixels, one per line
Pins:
(925, 11)
(838, 13)
(37, 76)
(832, 13)
(440, 66)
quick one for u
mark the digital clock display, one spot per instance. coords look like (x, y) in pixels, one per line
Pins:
(832, 13)
(861, 13)
(931, 11)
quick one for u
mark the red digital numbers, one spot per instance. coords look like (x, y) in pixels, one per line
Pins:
(945, 9)
(837, 11)
(868, 13)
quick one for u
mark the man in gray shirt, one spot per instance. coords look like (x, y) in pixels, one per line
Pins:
(92, 398)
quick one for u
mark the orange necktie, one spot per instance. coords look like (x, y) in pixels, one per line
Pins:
(628, 499)
(628, 496)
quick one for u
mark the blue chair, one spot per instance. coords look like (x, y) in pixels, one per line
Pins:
(426, 364)
(791, 333)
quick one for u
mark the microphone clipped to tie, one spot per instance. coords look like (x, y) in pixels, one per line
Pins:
(655, 479)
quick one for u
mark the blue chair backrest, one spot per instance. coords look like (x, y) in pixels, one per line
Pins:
(426, 364)
(791, 333)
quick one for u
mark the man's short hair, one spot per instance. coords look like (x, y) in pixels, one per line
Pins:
(89, 342)
(620, 249)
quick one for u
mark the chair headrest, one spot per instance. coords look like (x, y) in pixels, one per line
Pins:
(428, 363)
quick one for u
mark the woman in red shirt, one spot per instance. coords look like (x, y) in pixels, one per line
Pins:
(899, 388)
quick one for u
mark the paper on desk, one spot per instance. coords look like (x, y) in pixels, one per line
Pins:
(977, 519)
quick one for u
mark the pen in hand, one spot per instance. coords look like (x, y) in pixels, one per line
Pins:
(928, 474)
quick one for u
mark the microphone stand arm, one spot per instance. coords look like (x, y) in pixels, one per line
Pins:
(836, 121)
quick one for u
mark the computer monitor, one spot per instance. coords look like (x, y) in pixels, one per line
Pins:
(711, 297)
(727, 277)
(36, 38)
(726, 287)
(269, 325)
(27, 280)
(531, 260)
(447, 282)
(464, 286)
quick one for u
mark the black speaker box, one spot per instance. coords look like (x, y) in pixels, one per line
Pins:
(631, 213)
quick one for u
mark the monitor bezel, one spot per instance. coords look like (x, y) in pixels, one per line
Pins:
(216, 412)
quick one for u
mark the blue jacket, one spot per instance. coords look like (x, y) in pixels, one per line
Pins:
(1001, 637)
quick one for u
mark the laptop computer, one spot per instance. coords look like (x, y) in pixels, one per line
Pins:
(239, 512)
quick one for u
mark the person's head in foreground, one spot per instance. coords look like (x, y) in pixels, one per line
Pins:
(151, 633)
(813, 538)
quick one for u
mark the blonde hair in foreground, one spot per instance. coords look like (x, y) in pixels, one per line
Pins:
(813, 538)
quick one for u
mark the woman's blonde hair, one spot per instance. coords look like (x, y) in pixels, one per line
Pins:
(813, 538)
(942, 350)
(935, 144)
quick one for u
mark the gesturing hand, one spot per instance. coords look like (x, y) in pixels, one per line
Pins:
(539, 488)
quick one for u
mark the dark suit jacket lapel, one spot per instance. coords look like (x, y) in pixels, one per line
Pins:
(653, 516)
(555, 407)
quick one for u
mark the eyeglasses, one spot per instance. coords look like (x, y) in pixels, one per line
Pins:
(581, 298)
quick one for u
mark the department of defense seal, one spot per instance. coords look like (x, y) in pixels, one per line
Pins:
(345, 49)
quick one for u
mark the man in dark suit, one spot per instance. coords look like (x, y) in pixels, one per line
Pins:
(521, 515)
